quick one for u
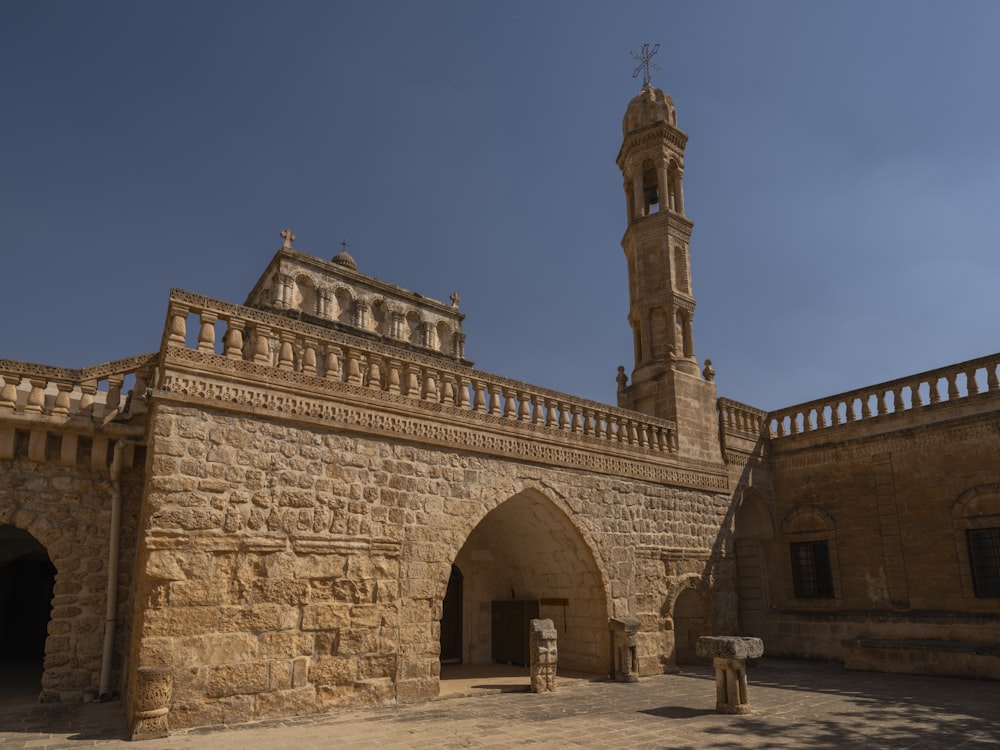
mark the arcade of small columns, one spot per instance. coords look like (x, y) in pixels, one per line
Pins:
(323, 303)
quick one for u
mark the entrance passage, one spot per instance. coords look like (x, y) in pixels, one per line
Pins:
(27, 577)
(451, 620)
(528, 551)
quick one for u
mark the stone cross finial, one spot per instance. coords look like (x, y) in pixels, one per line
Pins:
(645, 58)
(455, 299)
(288, 238)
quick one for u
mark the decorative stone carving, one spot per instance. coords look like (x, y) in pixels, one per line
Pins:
(544, 656)
(729, 655)
(154, 689)
(624, 655)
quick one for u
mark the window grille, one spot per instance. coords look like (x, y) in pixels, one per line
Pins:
(812, 576)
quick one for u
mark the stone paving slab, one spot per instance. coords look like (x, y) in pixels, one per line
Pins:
(796, 705)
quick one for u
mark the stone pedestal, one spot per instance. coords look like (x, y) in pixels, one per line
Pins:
(153, 691)
(624, 655)
(729, 655)
(544, 656)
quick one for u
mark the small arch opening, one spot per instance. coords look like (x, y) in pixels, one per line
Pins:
(27, 580)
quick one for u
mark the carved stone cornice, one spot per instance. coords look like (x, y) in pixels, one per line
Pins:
(208, 381)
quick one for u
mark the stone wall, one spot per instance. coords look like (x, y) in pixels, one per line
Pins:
(288, 567)
(893, 506)
(67, 509)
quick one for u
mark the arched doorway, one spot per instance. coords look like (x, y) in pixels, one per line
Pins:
(527, 550)
(27, 578)
(690, 623)
(752, 533)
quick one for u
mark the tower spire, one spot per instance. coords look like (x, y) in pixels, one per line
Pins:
(667, 381)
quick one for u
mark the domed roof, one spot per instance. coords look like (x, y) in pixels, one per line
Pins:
(343, 258)
(648, 107)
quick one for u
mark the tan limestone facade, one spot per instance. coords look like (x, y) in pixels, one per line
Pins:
(314, 499)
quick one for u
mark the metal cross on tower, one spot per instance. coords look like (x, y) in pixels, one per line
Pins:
(645, 58)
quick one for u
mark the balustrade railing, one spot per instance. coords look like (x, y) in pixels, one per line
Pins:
(740, 418)
(271, 341)
(953, 383)
(94, 392)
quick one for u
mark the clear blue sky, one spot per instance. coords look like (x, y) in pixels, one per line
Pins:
(843, 173)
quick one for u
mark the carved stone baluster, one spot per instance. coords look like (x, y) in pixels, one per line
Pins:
(374, 372)
(552, 414)
(233, 342)
(88, 389)
(353, 367)
(392, 378)
(915, 400)
(8, 394)
(114, 397)
(36, 398)
(866, 406)
(479, 396)
(588, 421)
(524, 407)
(600, 425)
(971, 386)
(463, 392)
(991, 378)
(952, 386)
(538, 417)
(206, 334)
(633, 433)
(509, 403)
(177, 330)
(577, 420)
(565, 416)
(309, 347)
(447, 389)
(412, 381)
(935, 390)
(61, 405)
(430, 389)
(261, 344)
(331, 362)
(613, 428)
(286, 355)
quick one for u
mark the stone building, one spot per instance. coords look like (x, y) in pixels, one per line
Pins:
(313, 499)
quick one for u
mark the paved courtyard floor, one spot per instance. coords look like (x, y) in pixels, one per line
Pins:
(796, 705)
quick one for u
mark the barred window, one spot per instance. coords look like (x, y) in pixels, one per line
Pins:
(812, 576)
(984, 556)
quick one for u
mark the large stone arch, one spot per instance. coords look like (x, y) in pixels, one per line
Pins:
(526, 547)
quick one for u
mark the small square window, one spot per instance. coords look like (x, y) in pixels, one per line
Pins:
(812, 576)
(984, 556)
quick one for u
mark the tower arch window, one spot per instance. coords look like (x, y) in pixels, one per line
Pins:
(650, 188)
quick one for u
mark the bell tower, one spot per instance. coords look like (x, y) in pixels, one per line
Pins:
(667, 381)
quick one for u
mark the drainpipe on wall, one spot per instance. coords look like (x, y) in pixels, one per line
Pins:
(113, 548)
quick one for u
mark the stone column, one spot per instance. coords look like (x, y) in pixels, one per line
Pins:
(729, 655)
(153, 691)
(544, 656)
(624, 655)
